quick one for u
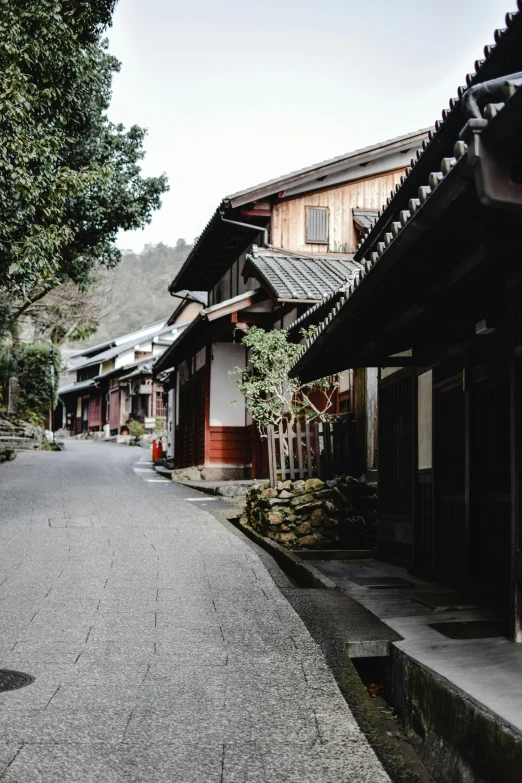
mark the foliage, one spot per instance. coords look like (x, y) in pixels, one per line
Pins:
(136, 428)
(31, 364)
(270, 394)
(136, 291)
(6, 322)
(69, 178)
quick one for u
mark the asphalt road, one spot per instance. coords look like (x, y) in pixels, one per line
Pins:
(162, 649)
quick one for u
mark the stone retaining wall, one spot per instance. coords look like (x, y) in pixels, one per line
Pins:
(314, 514)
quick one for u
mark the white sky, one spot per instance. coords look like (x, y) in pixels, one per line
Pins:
(235, 93)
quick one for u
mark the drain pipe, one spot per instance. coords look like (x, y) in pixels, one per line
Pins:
(248, 225)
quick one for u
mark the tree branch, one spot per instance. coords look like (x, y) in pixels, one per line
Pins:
(27, 305)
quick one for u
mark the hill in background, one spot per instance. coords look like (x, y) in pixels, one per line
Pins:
(136, 291)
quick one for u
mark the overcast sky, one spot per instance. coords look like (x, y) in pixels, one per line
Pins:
(234, 93)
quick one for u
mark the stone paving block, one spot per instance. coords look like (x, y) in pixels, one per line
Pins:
(47, 651)
(201, 726)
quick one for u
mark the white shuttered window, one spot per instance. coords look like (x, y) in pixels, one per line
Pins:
(317, 225)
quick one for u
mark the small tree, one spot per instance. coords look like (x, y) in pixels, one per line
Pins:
(37, 383)
(270, 394)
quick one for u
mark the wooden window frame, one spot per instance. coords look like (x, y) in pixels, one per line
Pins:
(317, 241)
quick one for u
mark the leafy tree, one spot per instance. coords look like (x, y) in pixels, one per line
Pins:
(69, 178)
(31, 364)
(271, 396)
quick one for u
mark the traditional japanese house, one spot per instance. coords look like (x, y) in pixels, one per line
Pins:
(267, 255)
(437, 308)
(110, 383)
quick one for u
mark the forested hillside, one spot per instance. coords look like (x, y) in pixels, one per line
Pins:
(136, 291)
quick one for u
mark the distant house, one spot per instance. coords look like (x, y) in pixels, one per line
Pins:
(438, 310)
(110, 383)
(267, 255)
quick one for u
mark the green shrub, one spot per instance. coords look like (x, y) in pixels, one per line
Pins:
(36, 386)
(136, 428)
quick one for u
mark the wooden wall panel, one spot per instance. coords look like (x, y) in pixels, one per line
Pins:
(287, 229)
(230, 445)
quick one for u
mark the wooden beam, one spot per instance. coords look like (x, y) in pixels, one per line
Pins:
(245, 317)
(257, 212)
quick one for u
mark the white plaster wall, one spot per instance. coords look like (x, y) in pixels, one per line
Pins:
(124, 358)
(424, 420)
(226, 356)
(344, 381)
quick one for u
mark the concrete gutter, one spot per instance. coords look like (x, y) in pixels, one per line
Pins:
(303, 573)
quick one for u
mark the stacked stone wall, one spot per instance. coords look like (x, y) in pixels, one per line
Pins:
(315, 514)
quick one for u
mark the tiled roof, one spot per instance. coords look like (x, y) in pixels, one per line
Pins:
(290, 276)
(365, 218)
(73, 387)
(388, 239)
(315, 314)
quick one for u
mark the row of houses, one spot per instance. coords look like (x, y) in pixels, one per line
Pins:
(109, 384)
(405, 254)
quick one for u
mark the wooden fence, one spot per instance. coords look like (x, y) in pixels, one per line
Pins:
(322, 449)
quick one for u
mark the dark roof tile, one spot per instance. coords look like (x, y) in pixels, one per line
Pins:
(306, 278)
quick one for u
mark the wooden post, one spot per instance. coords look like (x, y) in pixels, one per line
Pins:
(466, 559)
(318, 466)
(299, 450)
(337, 447)
(282, 452)
(290, 436)
(308, 450)
(271, 454)
(328, 455)
(516, 468)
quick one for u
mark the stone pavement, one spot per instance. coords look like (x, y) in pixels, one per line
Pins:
(161, 647)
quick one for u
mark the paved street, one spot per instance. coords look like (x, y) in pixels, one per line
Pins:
(161, 647)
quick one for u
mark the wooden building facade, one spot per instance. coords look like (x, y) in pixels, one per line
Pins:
(268, 255)
(438, 310)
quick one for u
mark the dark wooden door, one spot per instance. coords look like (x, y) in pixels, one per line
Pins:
(490, 488)
(396, 462)
(191, 440)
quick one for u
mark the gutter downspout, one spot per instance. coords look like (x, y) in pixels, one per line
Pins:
(248, 225)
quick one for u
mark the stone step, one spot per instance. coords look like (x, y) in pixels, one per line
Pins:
(17, 442)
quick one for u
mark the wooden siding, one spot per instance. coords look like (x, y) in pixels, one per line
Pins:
(191, 440)
(114, 410)
(95, 412)
(230, 445)
(288, 224)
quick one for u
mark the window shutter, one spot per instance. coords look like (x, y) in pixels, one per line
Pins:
(317, 225)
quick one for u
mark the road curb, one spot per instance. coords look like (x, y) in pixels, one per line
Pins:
(303, 573)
